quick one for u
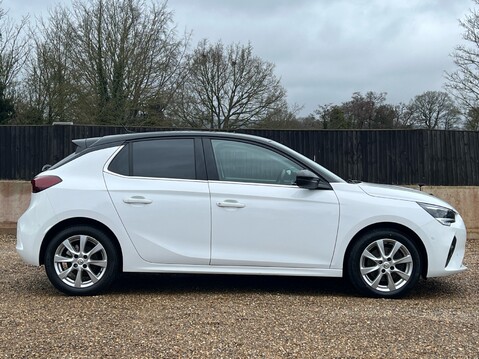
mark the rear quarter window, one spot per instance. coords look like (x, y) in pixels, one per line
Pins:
(121, 162)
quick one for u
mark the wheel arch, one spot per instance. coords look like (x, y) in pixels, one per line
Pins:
(398, 227)
(79, 221)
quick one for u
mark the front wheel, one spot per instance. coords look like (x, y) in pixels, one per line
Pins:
(81, 260)
(384, 263)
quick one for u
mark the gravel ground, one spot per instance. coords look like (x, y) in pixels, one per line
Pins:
(178, 316)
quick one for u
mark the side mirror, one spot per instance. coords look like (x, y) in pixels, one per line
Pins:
(307, 179)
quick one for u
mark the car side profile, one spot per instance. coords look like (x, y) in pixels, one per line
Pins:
(207, 202)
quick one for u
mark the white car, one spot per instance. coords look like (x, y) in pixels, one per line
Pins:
(203, 202)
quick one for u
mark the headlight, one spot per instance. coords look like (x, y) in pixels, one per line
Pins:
(444, 215)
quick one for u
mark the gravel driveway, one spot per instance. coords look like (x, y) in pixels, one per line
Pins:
(182, 316)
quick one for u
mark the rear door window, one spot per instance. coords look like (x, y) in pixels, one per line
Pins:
(162, 158)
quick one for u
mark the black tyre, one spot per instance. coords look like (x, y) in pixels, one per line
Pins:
(384, 263)
(81, 260)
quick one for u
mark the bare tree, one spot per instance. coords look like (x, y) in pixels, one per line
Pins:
(369, 111)
(285, 117)
(228, 88)
(434, 110)
(14, 48)
(464, 82)
(403, 116)
(472, 119)
(108, 61)
(50, 89)
(362, 111)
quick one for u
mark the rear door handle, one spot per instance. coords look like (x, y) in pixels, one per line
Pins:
(230, 204)
(137, 200)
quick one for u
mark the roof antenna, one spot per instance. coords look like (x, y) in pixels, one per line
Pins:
(127, 130)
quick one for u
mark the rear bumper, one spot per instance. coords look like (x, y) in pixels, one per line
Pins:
(31, 228)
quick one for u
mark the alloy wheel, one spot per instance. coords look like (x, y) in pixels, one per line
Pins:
(80, 261)
(386, 265)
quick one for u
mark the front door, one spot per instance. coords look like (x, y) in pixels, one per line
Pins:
(260, 218)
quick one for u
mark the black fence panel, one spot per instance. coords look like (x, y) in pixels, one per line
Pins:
(384, 156)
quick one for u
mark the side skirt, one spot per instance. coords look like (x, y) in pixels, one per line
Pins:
(247, 270)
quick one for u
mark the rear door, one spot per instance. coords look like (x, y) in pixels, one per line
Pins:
(159, 190)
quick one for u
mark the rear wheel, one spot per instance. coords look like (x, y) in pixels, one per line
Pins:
(384, 263)
(81, 260)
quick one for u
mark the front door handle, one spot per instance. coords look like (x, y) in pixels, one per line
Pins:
(137, 200)
(230, 204)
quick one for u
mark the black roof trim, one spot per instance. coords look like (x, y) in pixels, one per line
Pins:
(113, 140)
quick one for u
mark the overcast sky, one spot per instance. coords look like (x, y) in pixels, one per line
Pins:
(324, 50)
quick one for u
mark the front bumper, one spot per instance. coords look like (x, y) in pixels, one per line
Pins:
(444, 256)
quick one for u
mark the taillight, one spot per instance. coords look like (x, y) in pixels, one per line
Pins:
(44, 182)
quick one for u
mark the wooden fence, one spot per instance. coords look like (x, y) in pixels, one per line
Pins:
(431, 157)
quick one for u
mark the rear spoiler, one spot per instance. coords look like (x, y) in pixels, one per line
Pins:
(81, 145)
(84, 143)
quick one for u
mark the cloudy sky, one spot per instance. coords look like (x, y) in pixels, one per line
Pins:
(324, 50)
